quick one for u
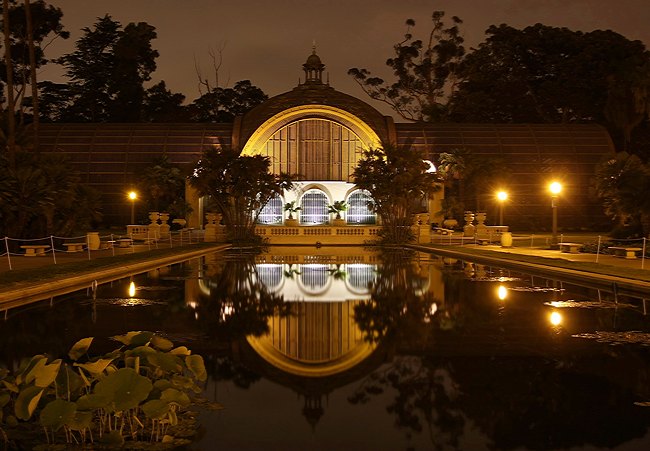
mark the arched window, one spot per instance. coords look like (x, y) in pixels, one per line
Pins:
(314, 208)
(359, 212)
(272, 211)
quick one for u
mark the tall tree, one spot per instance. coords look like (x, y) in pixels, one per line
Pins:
(239, 186)
(107, 72)
(398, 180)
(33, 25)
(224, 104)
(425, 72)
(551, 75)
(163, 187)
(162, 105)
(11, 126)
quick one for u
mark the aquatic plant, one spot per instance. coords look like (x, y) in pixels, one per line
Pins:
(134, 393)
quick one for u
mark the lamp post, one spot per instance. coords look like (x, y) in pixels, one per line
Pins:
(555, 188)
(133, 196)
(502, 196)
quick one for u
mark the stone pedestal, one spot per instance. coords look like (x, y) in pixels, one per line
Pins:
(164, 226)
(481, 228)
(506, 239)
(469, 229)
(154, 227)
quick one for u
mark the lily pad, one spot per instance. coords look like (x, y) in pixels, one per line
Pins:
(134, 338)
(58, 413)
(155, 409)
(27, 401)
(125, 387)
(95, 368)
(161, 343)
(80, 348)
(93, 401)
(176, 396)
(196, 366)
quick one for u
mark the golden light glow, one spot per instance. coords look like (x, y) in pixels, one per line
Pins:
(502, 292)
(132, 289)
(133, 195)
(502, 196)
(555, 188)
(555, 318)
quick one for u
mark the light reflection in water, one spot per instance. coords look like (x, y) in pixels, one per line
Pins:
(502, 292)
(555, 318)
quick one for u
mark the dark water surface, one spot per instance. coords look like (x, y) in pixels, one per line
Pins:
(346, 349)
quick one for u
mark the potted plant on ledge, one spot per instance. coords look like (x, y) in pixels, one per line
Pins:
(292, 208)
(337, 207)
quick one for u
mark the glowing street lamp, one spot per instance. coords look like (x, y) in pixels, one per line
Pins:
(133, 196)
(555, 188)
(502, 196)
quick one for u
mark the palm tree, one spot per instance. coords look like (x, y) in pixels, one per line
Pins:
(623, 183)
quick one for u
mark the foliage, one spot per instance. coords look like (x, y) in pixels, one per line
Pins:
(425, 72)
(623, 184)
(42, 196)
(398, 181)
(136, 392)
(337, 207)
(162, 105)
(46, 24)
(107, 71)
(239, 186)
(163, 187)
(543, 74)
(467, 177)
(291, 208)
(224, 104)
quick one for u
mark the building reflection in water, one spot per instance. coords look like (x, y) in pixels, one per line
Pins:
(316, 338)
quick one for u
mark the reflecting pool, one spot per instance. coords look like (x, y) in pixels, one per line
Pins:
(334, 348)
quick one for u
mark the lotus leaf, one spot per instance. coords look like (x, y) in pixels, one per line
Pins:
(27, 401)
(176, 396)
(113, 438)
(134, 338)
(93, 401)
(26, 374)
(46, 374)
(4, 399)
(197, 366)
(155, 409)
(11, 387)
(181, 350)
(125, 387)
(96, 367)
(140, 351)
(81, 421)
(58, 413)
(166, 362)
(162, 384)
(80, 348)
(68, 381)
(161, 343)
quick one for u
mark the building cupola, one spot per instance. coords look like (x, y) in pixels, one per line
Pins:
(313, 68)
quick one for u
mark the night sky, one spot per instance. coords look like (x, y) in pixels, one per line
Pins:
(266, 41)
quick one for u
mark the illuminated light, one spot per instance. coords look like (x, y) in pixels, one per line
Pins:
(133, 195)
(555, 319)
(132, 289)
(502, 196)
(555, 188)
(431, 168)
(502, 292)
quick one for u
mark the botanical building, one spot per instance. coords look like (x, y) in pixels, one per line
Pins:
(320, 133)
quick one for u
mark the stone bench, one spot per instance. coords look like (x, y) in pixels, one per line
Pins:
(124, 242)
(571, 248)
(626, 252)
(33, 250)
(442, 231)
(74, 247)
